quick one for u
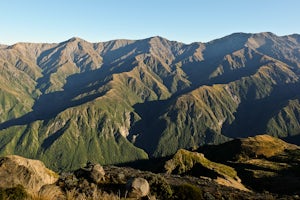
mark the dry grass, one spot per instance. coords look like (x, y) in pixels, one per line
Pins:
(103, 196)
(265, 164)
(265, 145)
(75, 195)
(185, 160)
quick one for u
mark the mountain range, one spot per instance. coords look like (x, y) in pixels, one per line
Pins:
(125, 100)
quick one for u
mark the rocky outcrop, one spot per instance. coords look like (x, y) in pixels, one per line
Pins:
(31, 174)
(97, 173)
(260, 146)
(22, 178)
(195, 164)
(264, 146)
(138, 187)
(187, 162)
(262, 162)
(93, 172)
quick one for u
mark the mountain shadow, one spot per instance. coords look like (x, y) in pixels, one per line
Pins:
(292, 139)
(52, 138)
(50, 105)
(251, 110)
(150, 127)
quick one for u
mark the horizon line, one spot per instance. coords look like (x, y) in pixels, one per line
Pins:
(140, 39)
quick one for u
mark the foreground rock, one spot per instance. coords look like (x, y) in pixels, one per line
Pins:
(138, 187)
(97, 173)
(94, 172)
(31, 174)
(17, 173)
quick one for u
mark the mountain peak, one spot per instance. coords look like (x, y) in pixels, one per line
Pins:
(76, 40)
(264, 35)
(233, 36)
(20, 46)
(267, 34)
(156, 39)
(294, 35)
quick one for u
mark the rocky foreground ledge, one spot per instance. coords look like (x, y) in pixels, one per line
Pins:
(261, 167)
(23, 178)
(34, 181)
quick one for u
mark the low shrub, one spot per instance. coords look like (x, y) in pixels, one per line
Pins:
(16, 193)
(187, 192)
(159, 186)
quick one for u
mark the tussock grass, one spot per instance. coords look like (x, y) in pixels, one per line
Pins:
(74, 195)
(184, 161)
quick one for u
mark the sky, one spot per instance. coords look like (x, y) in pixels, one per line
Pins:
(181, 20)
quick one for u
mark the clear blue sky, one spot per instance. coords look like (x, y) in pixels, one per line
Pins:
(182, 20)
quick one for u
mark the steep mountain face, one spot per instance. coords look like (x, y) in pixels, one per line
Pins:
(124, 100)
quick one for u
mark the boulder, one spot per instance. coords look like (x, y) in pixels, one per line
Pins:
(97, 173)
(31, 174)
(92, 172)
(137, 187)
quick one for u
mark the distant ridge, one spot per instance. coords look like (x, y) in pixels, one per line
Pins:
(125, 100)
(293, 35)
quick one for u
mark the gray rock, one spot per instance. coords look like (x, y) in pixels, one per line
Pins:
(121, 178)
(92, 172)
(152, 197)
(31, 174)
(209, 196)
(97, 173)
(138, 187)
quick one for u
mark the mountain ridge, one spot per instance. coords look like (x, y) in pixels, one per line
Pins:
(136, 99)
(156, 36)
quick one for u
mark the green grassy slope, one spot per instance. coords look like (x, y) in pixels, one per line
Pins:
(125, 100)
